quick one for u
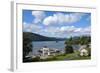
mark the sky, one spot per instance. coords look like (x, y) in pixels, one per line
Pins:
(56, 24)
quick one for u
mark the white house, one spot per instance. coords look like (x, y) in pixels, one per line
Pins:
(83, 51)
(45, 51)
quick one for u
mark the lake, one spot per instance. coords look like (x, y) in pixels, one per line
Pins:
(50, 44)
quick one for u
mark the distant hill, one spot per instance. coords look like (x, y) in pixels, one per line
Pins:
(37, 37)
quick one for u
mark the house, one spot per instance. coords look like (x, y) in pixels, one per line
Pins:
(45, 51)
(83, 51)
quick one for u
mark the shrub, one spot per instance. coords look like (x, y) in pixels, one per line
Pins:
(89, 51)
(69, 49)
(36, 59)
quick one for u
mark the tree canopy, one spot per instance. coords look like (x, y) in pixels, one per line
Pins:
(82, 40)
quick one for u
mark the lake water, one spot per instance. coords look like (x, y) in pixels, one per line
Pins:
(50, 44)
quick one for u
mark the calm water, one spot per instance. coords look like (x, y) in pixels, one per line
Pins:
(50, 44)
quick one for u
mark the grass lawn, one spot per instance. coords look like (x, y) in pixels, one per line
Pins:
(65, 57)
(72, 56)
(62, 57)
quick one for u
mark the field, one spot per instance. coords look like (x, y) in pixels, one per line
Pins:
(61, 57)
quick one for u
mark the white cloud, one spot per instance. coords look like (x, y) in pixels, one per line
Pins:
(66, 31)
(60, 18)
(39, 16)
(63, 31)
(52, 29)
(88, 29)
(25, 25)
(31, 27)
(73, 29)
(83, 30)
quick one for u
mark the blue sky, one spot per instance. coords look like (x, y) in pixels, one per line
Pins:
(57, 24)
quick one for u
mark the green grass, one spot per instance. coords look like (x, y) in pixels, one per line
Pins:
(71, 56)
(63, 57)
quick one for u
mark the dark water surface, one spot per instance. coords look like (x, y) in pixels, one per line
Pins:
(50, 44)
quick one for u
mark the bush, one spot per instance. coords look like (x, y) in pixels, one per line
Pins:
(89, 51)
(49, 59)
(27, 60)
(69, 49)
(36, 59)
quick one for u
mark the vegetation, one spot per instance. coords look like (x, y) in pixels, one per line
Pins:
(69, 49)
(28, 37)
(82, 40)
(70, 53)
(72, 56)
(61, 57)
(37, 37)
(89, 51)
(27, 46)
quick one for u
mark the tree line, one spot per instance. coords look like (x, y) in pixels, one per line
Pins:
(82, 40)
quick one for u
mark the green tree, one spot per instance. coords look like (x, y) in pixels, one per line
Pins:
(89, 51)
(26, 49)
(27, 46)
(69, 49)
(83, 40)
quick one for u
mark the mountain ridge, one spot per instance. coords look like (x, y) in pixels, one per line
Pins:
(37, 37)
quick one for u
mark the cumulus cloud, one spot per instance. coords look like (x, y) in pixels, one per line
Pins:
(60, 18)
(67, 29)
(63, 31)
(39, 16)
(56, 25)
(31, 27)
(73, 29)
(83, 30)
(51, 29)
(76, 31)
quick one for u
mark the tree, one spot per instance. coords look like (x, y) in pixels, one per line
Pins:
(89, 51)
(82, 40)
(69, 49)
(27, 46)
(26, 49)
